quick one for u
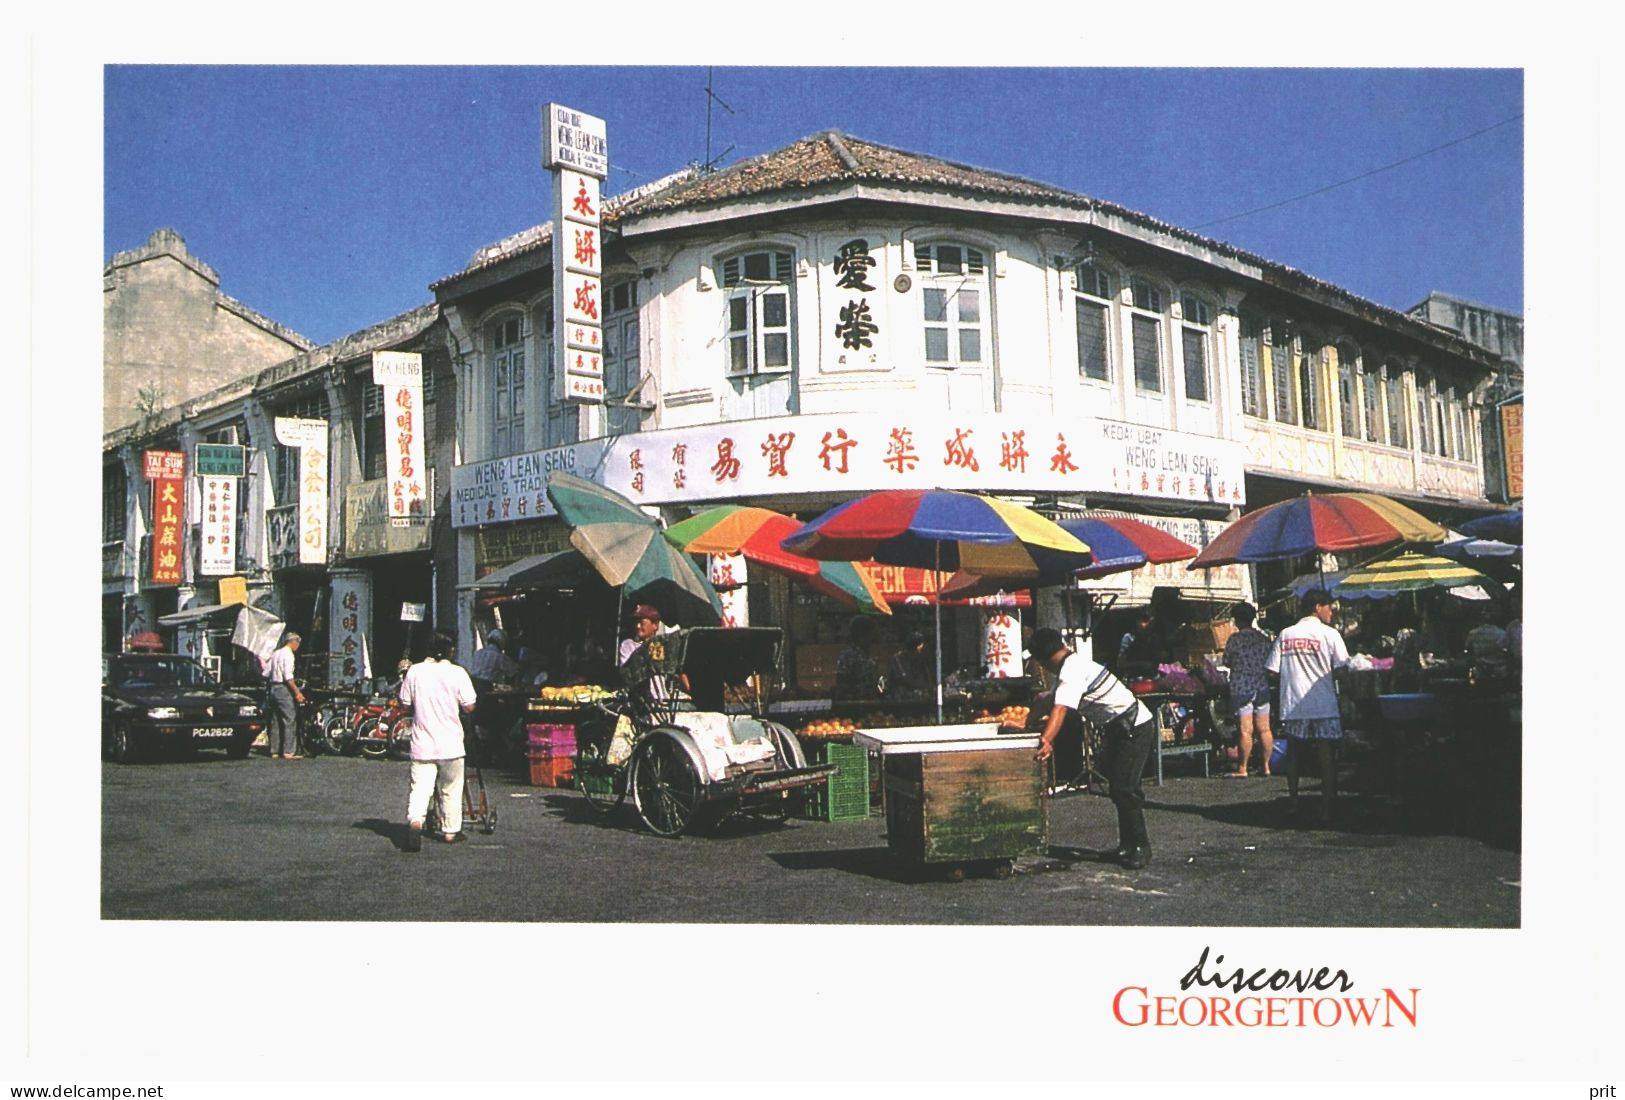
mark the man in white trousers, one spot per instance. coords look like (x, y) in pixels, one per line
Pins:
(439, 693)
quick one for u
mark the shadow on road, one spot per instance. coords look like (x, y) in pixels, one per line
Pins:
(393, 831)
(876, 863)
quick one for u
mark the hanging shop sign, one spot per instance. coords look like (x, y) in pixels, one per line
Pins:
(367, 527)
(217, 548)
(1512, 447)
(904, 584)
(502, 545)
(843, 455)
(400, 373)
(413, 612)
(575, 148)
(349, 657)
(727, 574)
(220, 460)
(1001, 644)
(166, 470)
(310, 436)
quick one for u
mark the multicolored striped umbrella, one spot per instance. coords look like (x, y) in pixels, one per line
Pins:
(756, 533)
(939, 529)
(1408, 573)
(1316, 522)
(1116, 544)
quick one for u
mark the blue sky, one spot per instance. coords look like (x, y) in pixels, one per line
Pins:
(330, 197)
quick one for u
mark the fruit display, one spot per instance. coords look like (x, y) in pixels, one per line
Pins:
(826, 729)
(583, 693)
(1014, 718)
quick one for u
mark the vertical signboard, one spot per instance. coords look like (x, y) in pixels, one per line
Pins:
(349, 661)
(310, 436)
(166, 470)
(400, 373)
(726, 572)
(217, 554)
(1512, 447)
(575, 149)
(1001, 644)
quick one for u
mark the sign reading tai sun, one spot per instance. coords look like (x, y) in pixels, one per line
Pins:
(167, 472)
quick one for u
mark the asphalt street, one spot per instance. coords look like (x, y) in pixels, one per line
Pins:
(321, 839)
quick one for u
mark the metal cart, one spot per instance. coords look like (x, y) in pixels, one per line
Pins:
(684, 738)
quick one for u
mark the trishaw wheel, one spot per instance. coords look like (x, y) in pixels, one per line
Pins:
(665, 787)
(376, 746)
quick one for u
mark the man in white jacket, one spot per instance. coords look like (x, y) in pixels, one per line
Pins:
(439, 693)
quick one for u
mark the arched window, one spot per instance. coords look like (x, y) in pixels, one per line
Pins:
(760, 310)
(953, 293)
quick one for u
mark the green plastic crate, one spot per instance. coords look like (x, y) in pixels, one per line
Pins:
(845, 796)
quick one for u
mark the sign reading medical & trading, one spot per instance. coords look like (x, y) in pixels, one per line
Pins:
(310, 436)
(167, 472)
(574, 147)
(844, 454)
(400, 373)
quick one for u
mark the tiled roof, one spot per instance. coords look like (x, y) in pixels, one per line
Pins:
(831, 159)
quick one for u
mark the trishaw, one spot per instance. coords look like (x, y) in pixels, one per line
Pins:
(685, 738)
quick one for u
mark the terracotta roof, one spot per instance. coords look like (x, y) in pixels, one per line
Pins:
(831, 159)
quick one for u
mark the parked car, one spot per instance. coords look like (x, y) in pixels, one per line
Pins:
(154, 703)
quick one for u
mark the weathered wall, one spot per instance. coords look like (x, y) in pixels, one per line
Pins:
(165, 322)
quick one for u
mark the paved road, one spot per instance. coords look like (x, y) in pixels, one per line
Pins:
(320, 840)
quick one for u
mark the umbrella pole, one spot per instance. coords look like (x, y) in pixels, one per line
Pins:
(938, 604)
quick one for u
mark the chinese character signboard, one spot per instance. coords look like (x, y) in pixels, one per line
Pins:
(400, 373)
(855, 281)
(217, 551)
(1512, 447)
(166, 470)
(858, 453)
(367, 527)
(310, 436)
(574, 147)
(1001, 644)
(726, 572)
(349, 659)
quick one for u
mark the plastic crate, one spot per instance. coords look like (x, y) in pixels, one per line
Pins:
(845, 796)
(559, 738)
(547, 770)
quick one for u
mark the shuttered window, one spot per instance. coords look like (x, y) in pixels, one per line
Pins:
(1286, 390)
(1252, 371)
(1194, 342)
(1092, 322)
(1147, 354)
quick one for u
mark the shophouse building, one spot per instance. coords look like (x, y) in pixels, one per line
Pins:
(837, 317)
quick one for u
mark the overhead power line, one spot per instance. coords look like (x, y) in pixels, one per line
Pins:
(1362, 175)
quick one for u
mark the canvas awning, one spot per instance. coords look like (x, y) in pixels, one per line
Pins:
(560, 569)
(196, 613)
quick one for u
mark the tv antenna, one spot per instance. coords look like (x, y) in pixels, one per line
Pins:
(711, 97)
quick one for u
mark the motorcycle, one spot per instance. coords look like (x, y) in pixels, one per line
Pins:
(387, 732)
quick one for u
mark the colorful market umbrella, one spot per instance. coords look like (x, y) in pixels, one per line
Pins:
(1409, 572)
(939, 529)
(1116, 544)
(756, 533)
(1502, 527)
(626, 546)
(1316, 522)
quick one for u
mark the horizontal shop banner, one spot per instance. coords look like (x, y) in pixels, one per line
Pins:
(853, 454)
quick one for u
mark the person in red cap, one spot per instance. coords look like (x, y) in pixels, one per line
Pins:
(645, 625)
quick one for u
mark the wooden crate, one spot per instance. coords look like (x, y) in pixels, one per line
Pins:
(964, 806)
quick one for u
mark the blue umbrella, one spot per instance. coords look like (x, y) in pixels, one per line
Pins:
(1501, 526)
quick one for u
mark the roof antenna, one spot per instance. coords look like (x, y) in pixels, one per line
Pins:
(711, 96)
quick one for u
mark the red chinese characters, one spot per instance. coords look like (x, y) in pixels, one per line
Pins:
(679, 458)
(900, 453)
(1013, 452)
(727, 466)
(582, 203)
(1061, 461)
(960, 452)
(586, 246)
(836, 446)
(775, 449)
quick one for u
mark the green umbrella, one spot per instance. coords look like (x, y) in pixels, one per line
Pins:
(625, 545)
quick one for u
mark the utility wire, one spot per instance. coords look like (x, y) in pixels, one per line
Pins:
(1362, 175)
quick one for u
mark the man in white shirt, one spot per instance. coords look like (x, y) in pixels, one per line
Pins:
(439, 693)
(286, 698)
(1307, 656)
(1128, 735)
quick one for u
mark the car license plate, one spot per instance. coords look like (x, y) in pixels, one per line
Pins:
(213, 731)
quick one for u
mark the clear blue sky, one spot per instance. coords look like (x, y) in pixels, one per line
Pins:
(329, 198)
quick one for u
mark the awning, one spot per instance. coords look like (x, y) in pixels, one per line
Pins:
(196, 613)
(560, 569)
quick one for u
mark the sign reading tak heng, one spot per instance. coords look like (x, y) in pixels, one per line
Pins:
(400, 373)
